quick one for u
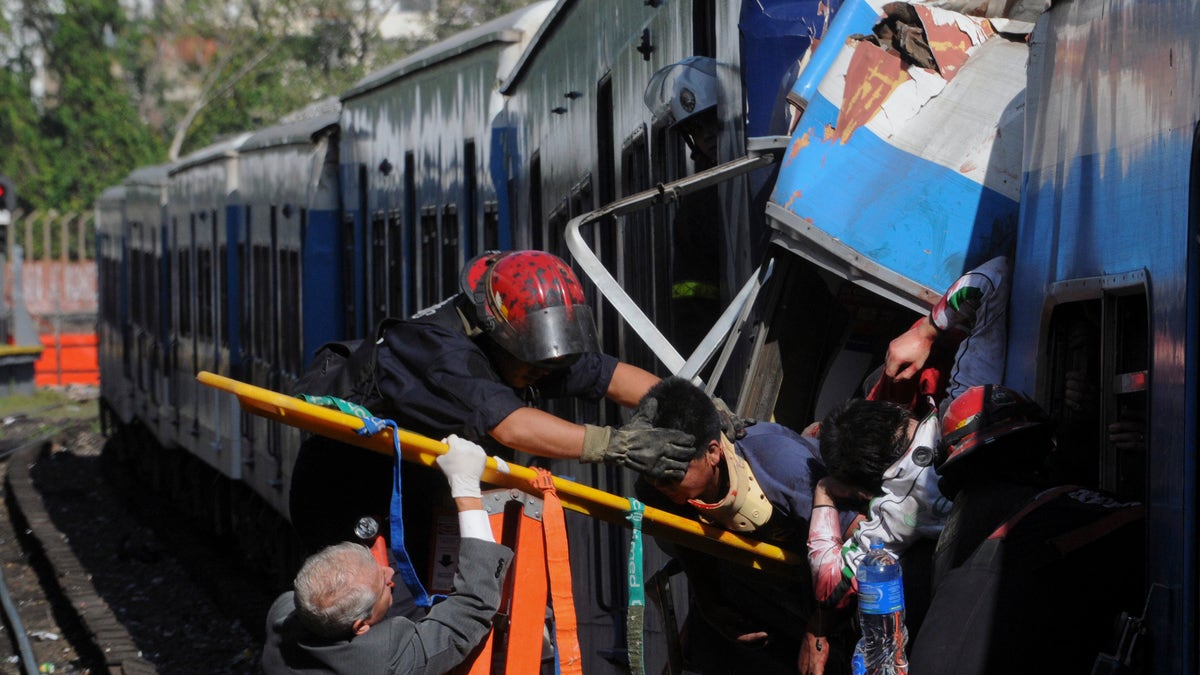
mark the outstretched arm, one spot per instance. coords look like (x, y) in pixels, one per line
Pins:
(629, 384)
(656, 453)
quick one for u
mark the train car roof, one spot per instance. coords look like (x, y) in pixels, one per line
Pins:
(225, 147)
(552, 21)
(155, 175)
(300, 127)
(114, 193)
(506, 29)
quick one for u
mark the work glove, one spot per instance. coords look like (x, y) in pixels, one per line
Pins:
(733, 426)
(658, 454)
(463, 465)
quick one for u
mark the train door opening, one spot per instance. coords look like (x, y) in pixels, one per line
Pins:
(1097, 381)
(821, 338)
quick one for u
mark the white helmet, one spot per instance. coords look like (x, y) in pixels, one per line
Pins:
(681, 90)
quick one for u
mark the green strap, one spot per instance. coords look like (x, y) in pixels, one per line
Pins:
(635, 618)
(335, 402)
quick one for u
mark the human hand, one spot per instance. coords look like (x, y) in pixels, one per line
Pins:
(838, 491)
(732, 426)
(754, 639)
(463, 465)
(659, 454)
(814, 653)
(907, 353)
(1128, 433)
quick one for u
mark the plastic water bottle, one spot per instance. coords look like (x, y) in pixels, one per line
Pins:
(880, 651)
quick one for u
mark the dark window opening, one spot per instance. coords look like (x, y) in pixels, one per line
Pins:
(378, 274)
(449, 261)
(428, 264)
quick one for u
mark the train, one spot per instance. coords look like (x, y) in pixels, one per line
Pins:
(853, 179)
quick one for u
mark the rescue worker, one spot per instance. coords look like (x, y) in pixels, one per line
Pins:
(476, 365)
(759, 485)
(337, 618)
(682, 98)
(1029, 575)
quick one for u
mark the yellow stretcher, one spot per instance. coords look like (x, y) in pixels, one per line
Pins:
(581, 498)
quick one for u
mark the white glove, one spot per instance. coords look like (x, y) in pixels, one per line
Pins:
(463, 465)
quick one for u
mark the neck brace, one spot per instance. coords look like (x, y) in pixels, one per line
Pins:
(744, 508)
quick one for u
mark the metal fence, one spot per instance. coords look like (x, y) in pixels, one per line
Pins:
(49, 292)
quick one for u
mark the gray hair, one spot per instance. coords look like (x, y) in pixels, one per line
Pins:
(334, 589)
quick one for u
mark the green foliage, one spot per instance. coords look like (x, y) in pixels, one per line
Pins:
(117, 92)
(86, 134)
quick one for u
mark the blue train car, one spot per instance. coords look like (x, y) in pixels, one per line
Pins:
(281, 282)
(1105, 280)
(417, 193)
(201, 211)
(144, 335)
(112, 314)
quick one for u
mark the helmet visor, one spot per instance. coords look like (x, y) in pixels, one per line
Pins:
(550, 337)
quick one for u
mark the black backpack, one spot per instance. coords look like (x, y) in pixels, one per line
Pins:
(346, 370)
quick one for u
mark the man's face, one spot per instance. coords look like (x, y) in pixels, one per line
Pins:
(700, 481)
(519, 374)
(383, 598)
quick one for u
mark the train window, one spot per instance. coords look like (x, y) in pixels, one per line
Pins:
(183, 292)
(470, 197)
(704, 28)
(273, 301)
(410, 216)
(291, 356)
(223, 293)
(396, 267)
(537, 237)
(260, 294)
(644, 247)
(378, 273)
(555, 224)
(204, 293)
(244, 313)
(137, 277)
(449, 260)
(1097, 343)
(491, 227)
(347, 263)
(428, 262)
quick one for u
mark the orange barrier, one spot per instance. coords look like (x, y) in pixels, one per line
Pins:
(68, 358)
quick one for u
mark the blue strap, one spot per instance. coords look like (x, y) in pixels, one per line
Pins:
(635, 617)
(404, 566)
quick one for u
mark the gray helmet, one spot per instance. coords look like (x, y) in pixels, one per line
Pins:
(681, 90)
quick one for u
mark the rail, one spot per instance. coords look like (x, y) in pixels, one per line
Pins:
(577, 497)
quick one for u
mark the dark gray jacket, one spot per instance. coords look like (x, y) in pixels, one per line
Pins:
(434, 644)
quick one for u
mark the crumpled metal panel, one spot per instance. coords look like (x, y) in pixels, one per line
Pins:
(903, 176)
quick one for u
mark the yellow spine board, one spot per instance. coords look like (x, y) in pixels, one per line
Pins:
(575, 496)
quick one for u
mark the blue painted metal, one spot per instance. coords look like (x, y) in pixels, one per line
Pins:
(1110, 186)
(852, 17)
(322, 280)
(920, 202)
(775, 34)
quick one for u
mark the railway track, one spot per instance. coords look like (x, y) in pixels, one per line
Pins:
(102, 580)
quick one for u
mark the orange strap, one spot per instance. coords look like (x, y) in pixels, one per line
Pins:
(558, 563)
